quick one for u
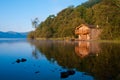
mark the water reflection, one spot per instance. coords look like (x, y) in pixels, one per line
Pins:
(55, 50)
(34, 53)
(104, 64)
(85, 48)
(82, 49)
(63, 54)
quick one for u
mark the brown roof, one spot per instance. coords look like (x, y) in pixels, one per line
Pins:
(90, 26)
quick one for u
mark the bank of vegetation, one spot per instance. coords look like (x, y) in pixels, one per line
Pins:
(105, 13)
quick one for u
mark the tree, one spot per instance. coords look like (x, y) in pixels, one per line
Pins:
(35, 22)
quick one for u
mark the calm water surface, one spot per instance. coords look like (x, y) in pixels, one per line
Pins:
(59, 60)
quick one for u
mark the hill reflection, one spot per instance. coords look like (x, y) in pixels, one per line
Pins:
(98, 59)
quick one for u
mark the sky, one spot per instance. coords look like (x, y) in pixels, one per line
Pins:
(16, 15)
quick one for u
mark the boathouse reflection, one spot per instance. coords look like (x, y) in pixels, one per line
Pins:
(85, 48)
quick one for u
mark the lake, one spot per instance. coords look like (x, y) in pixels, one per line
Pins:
(58, 60)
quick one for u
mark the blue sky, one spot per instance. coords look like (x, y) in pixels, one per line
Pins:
(16, 15)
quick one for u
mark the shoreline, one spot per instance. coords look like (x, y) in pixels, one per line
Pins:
(75, 39)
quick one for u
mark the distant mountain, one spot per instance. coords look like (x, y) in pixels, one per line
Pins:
(11, 34)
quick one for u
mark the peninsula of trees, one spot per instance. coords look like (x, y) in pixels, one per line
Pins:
(105, 13)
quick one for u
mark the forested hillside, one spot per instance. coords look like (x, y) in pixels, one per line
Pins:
(105, 13)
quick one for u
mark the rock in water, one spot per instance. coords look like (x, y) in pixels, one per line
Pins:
(67, 73)
(37, 72)
(18, 60)
(23, 60)
(64, 74)
(71, 72)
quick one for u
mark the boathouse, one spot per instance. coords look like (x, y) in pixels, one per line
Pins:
(87, 32)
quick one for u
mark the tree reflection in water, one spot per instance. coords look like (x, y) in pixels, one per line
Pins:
(104, 64)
